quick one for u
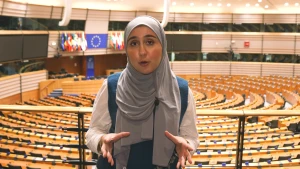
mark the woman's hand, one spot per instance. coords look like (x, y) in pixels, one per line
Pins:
(107, 141)
(182, 149)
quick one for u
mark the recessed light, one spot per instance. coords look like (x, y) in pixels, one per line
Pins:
(259, 0)
(219, 4)
(228, 4)
(296, 4)
(209, 4)
(266, 6)
(173, 3)
(192, 4)
(247, 5)
(286, 4)
(256, 4)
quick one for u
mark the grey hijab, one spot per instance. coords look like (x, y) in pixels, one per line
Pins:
(136, 95)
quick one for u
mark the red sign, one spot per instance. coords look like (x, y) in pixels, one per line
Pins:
(246, 44)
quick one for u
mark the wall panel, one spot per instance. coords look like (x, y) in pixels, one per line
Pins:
(247, 18)
(188, 17)
(215, 68)
(98, 15)
(79, 14)
(38, 11)
(122, 15)
(30, 81)
(1, 5)
(275, 18)
(297, 45)
(14, 9)
(279, 44)
(158, 15)
(57, 13)
(180, 67)
(296, 69)
(12, 99)
(255, 42)
(10, 85)
(216, 43)
(246, 68)
(217, 18)
(277, 69)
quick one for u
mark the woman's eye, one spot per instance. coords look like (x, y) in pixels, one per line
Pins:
(150, 42)
(133, 43)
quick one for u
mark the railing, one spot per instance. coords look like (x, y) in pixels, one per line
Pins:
(81, 111)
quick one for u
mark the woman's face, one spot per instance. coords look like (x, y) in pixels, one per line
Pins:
(144, 49)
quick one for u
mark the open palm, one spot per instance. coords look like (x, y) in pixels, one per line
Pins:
(107, 144)
(182, 149)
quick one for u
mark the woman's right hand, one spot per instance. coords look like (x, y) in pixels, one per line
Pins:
(107, 141)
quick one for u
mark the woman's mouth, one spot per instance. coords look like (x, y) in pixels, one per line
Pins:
(144, 63)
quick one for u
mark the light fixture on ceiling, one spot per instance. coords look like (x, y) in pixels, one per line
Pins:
(174, 3)
(219, 4)
(286, 4)
(209, 4)
(259, 0)
(296, 4)
(257, 4)
(228, 4)
(192, 4)
(247, 4)
(266, 6)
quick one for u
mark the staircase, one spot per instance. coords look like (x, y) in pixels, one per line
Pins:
(56, 93)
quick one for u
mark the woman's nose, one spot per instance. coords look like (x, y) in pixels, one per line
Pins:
(142, 50)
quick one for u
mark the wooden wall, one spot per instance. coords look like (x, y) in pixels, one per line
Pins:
(71, 65)
(114, 61)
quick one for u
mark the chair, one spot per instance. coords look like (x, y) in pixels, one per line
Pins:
(11, 166)
(226, 161)
(265, 159)
(36, 154)
(203, 162)
(4, 150)
(20, 152)
(287, 157)
(54, 156)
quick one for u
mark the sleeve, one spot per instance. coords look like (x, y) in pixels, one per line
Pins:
(100, 121)
(188, 128)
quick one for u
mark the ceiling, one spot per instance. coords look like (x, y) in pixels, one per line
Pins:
(184, 6)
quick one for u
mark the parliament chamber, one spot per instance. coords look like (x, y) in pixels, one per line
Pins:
(243, 69)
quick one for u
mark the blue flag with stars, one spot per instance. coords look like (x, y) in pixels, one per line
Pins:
(96, 41)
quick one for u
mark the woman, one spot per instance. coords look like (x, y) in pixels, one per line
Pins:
(147, 127)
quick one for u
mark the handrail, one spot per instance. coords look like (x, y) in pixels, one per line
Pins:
(47, 85)
(78, 110)
(81, 110)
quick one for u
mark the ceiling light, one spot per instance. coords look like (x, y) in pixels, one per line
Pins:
(192, 4)
(228, 4)
(256, 4)
(219, 4)
(247, 5)
(266, 6)
(286, 4)
(173, 3)
(209, 4)
(259, 0)
(296, 4)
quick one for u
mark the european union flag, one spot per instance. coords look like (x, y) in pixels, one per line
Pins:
(96, 40)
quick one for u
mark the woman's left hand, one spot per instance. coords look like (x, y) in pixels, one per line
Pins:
(182, 149)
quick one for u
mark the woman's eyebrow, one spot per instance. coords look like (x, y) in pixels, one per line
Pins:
(147, 36)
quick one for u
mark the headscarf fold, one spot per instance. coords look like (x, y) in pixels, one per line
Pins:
(136, 95)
